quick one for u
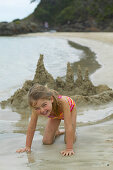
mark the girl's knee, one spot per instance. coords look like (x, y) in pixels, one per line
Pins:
(47, 142)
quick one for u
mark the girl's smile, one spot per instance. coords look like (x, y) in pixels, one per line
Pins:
(43, 107)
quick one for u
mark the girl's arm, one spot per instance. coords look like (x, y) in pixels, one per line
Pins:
(30, 133)
(68, 128)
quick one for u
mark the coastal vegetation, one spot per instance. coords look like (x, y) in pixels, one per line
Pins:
(75, 11)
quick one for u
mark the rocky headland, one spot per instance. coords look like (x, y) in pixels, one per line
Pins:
(81, 90)
(19, 27)
(64, 16)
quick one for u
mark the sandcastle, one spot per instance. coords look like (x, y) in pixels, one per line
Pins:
(81, 90)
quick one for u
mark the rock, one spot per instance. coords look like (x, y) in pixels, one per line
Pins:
(102, 88)
(42, 76)
(88, 87)
(60, 84)
(19, 100)
(94, 100)
(79, 80)
(69, 78)
(81, 90)
(18, 27)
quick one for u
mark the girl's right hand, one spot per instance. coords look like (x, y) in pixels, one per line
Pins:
(26, 149)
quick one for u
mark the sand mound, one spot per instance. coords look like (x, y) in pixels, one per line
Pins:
(81, 90)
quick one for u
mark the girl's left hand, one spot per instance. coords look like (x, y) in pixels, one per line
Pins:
(67, 152)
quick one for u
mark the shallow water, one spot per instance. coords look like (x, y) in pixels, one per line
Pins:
(19, 57)
(95, 115)
(93, 148)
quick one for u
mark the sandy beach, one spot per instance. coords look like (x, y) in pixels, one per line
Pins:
(93, 148)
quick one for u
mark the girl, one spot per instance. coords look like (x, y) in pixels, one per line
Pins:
(48, 103)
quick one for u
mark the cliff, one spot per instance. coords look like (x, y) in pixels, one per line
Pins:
(76, 15)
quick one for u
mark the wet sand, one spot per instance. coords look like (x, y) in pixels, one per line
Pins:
(93, 148)
(99, 42)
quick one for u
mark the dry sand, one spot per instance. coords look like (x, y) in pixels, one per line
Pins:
(93, 148)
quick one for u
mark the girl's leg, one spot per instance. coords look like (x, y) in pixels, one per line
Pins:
(50, 131)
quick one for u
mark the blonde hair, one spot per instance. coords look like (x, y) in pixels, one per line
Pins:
(37, 92)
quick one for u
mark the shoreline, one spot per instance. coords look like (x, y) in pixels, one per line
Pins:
(87, 88)
(87, 61)
(106, 37)
(99, 42)
(93, 148)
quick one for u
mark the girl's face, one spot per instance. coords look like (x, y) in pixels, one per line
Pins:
(43, 106)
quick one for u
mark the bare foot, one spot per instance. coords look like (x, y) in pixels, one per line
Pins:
(59, 132)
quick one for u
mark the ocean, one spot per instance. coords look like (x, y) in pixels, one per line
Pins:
(19, 57)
